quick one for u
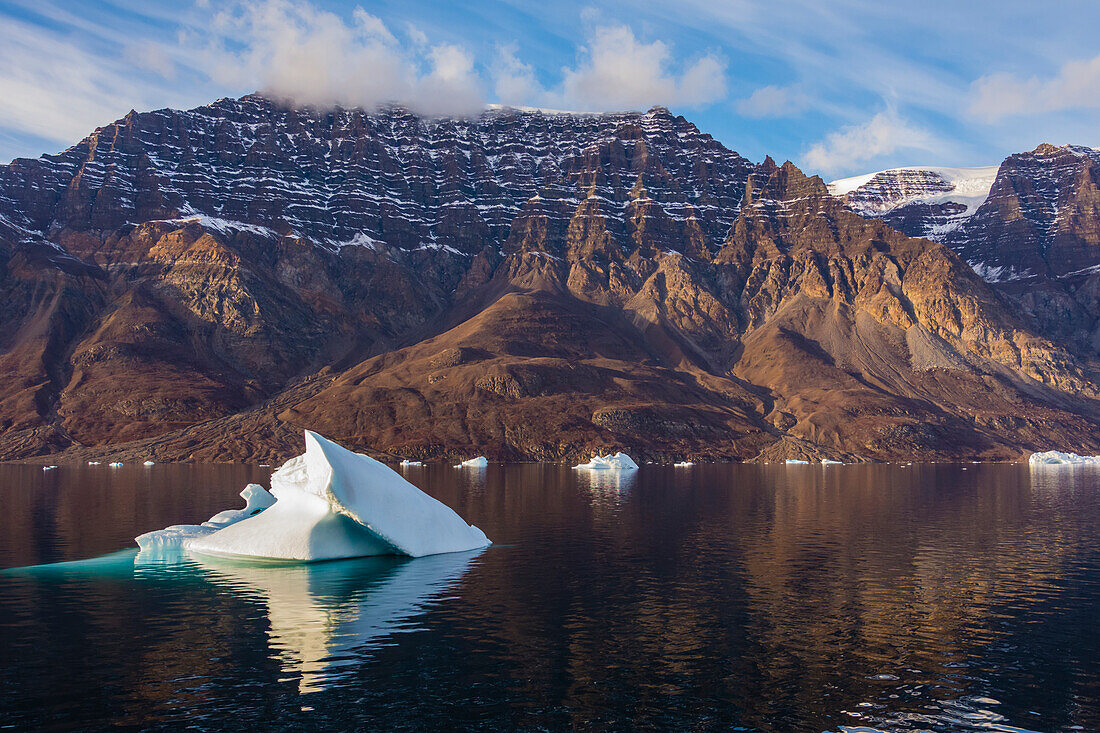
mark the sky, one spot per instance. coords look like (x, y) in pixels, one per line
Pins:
(839, 87)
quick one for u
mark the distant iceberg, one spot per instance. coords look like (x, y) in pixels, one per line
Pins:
(326, 504)
(618, 462)
(1058, 458)
(796, 462)
(479, 462)
(683, 464)
(831, 462)
(407, 462)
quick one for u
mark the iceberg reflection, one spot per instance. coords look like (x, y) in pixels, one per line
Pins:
(323, 615)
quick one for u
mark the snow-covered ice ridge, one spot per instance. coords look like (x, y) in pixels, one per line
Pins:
(883, 192)
(1058, 458)
(327, 503)
(349, 177)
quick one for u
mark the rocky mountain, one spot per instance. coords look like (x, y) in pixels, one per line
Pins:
(1032, 228)
(202, 284)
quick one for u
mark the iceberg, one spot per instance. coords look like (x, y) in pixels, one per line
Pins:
(116, 464)
(618, 462)
(479, 462)
(149, 463)
(326, 504)
(831, 462)
(93, 463)
(796, 462)
(407, 462)
(1058, 458)
(48, 468)
(683, 464)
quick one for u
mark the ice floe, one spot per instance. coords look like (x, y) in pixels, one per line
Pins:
(116, 464)
(683, 464)
(149, 463)
(1058, 458)
(617, 462)
(93, 463)
(407, 462)
(830, 462)
(329, 503)
(796, 462)
(479, 462)
(48, 468)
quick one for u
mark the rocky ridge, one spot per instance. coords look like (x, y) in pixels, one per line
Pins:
(203, 284)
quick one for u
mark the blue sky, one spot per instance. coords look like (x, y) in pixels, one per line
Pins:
(839, 87)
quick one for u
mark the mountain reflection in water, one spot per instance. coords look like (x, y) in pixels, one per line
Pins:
(774, 598)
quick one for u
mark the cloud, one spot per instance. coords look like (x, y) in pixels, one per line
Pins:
(773, 101)
(1076, 86)
(151, 57)
(314, 57)
(884, 134)
(617, 72)
(55, 90)
(514, 81)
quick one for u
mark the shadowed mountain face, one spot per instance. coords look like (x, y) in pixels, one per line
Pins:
(204, 284)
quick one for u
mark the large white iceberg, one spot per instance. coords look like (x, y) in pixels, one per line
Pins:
(618, 462)
(479, 462)
(332, 503)
(1058, 458)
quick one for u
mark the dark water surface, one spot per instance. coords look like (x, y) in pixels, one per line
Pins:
(773, 598)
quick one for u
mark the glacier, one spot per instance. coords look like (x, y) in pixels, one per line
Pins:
(1058, 458)
(328, 503)
(617, 462)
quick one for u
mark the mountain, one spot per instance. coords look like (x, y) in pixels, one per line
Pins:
(921, 202)
(1031, 226)
(203, 284)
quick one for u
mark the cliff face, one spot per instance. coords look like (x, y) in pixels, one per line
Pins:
(203, 284)
(1031, 228)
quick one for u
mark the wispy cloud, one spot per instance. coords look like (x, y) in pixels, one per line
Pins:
(1075, 86)
(883, 134)
(773, 101)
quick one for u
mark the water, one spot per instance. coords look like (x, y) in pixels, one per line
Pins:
(801, 598)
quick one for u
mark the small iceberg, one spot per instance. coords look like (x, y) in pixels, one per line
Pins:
(149, 463)
(326, 504)
(831, 462)
(48, 468)
(115, 465)
(796, 462)
(683, 464)
(479, 462)
(618, 462)
(1058, 458)
(93, 463)
(407, 463)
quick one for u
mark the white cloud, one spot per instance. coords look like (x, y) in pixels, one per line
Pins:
(514, 81)
(297, 51)
(1076, 86)
(773, 101)
(883, 134)
(617, 71)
